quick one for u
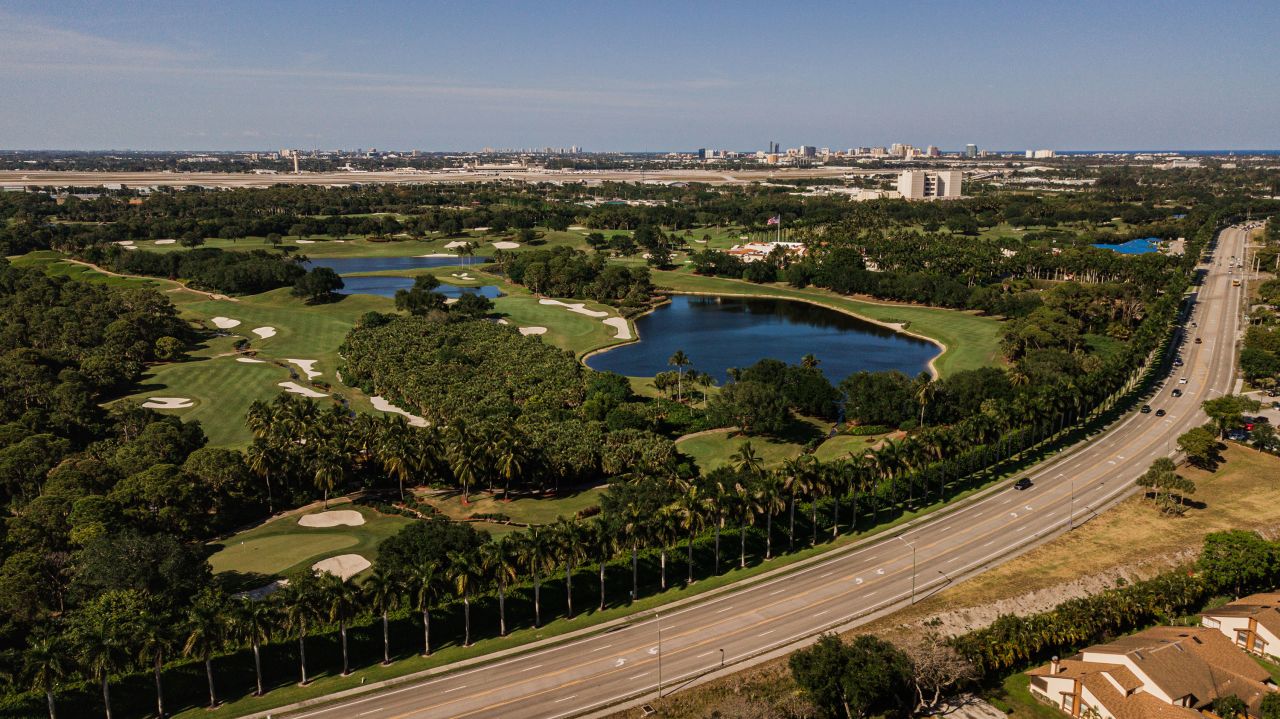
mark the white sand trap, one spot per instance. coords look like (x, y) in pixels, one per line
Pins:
(306, 242)
(165, 242)
(307, 367)
(479, 229)
(619, 324)
(701, 242)
(579, 307)
(345, 566)
(224, 323)
(383, 405)
(503, 322)
(505, 245)
(250, 360)
(533, 330)
(124, 243)
(264, 332)
(296, 388)
(262, 592)
(167, 403)
(455, 243)
(130, 247)
(451, 300)
(576, 227)
(464, 276)
(439, 254)
(334, 518)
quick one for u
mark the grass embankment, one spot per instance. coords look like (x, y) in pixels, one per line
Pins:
(714, 448)
(280, 546)
(972, 341)
(1243, 494)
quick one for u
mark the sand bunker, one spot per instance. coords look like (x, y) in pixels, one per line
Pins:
(451, 300)
(579, 307)
(463, 276)
(383, 405)
(505, 245)
(296, 388)
(619, 324)
(439, 254)
(455, 243)
(129, 247)
(307, 367)
(306, 242)
(503, 322)
(224, 323)
(334, 518)
(345, 566)
(167, 403)
(124, 243)
(264, 332)
(250, 360)
(165, 242)
(533, 330)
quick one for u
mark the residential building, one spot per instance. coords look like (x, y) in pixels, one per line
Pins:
(1159, 673)
(922, 185)
(1251, 623)
(1040, 154)
(756, 251)
(971, 151)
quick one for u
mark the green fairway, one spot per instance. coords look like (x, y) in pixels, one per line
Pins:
(714, 448)
(842, 445)
(282, 545)
(972, 341)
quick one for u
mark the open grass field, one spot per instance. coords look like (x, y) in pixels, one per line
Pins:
(281, 545)
(714, 448)
(972, 341)
(842, 445)
(521, 509)
(1243, 494)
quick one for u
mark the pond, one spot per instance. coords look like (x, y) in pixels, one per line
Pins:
(1143, 246)
(345, 265)
(722, 332)
(387, 286)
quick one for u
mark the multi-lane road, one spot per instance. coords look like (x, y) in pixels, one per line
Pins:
(602, 670)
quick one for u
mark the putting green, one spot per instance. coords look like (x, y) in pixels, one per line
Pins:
(270, 555)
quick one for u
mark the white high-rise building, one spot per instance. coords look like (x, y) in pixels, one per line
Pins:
(922, 185)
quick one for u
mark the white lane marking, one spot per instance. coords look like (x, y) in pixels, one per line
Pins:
(638, 676)
(1013, 514)
(953, 559)
(870, 593)
(705, 654)
(857, 580)
(818, 614)
(988, 544)
(573, 696)
(600, 649)
(880, 571)
(824, 576)
(619, 662)
(771, 631)
(529, 669)
(780, 591)
(653, 650)
(446, 691)
(1028, 507)
(722, 611)
(371, 711)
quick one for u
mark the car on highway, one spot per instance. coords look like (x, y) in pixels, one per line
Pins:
(1177, 362)
(1146, 408)
(1182, 380)
(1275, 405)
(1177, 392)
(1159, 413)
(1197, 340)
(1023, 483)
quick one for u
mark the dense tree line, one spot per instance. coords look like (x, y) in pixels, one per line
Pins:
(209, 268)
(566, 272)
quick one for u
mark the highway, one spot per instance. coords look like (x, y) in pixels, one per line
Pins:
(602, 670)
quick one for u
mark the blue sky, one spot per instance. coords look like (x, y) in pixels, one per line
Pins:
(610, 75)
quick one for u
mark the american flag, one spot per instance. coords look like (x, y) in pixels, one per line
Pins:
(775, 220)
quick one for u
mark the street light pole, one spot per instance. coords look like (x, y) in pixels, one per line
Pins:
(913, 567)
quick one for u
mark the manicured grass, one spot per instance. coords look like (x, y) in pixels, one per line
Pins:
(282, 545)
(972, 341)
(715, 448)
(842, 445)
(1015, 699)
(54, 264)
(521, 509)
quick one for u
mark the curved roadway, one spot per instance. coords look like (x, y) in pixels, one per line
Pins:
(605, 669)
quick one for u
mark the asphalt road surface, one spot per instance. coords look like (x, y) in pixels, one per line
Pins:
(602, 670)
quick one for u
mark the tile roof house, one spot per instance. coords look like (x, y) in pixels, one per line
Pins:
(1159, 673)
(1252, 623)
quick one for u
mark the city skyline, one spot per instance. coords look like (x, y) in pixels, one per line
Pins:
(443, 77)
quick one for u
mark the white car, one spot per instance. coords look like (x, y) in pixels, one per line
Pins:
(1182, 381)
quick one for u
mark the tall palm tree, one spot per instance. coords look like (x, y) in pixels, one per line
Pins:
(464, 569)
(568, 540)
(45, 662)
(262, 459)
(924, 395)
(747, 461)
(154, 639)
(498, 561)
(464, 460)
(635, 526)
(395, 449)
(603, 540)
(100, 651)
(206, 627)
(337, 601)
(691, 510)
(254, 623)
(510, 460)
(770, 497)
(299, 610)
(664, 526)
(383, 592)
(328, 469)
(535, 550)
(424, 582)
(679, 360)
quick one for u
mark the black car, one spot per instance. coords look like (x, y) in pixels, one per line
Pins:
(1177, 393)
(1197, 340)
(1146, 408)
(1159, 413)
(1023, 483)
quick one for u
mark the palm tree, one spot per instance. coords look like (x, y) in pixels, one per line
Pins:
(635, 525)
(569, 539)
(206, 632)
(45, 663)
(770, 489)
(534, 553)
(463, 458)
(100, 650)
(498, 561)
(679, 360)
(328, 469)
(424, 582)
(464, 569)
(603, 540)
(338, 599)
(299, 609)
(155, 637)
(383, 592)
(691, 510)
(510, 460)
(262, 459)
(809, 361)
(395, 449)
(664, 525)
(746, 461)
(254, 623)
(924, 395)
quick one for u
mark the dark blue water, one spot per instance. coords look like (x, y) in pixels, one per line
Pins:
(722, 332)
(387, 286)
(1143, 246)
(344, 265)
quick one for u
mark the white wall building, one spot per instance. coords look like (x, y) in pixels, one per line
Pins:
(922, 185)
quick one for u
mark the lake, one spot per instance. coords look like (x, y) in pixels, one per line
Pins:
(387, 286)
(722, 332)
(345, 265)
(1143, 246)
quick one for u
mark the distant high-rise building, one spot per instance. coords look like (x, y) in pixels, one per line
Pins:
(971, 150)
(808, 151)
(702, 153)
(932, 151)
(1040, 154)
(921, 185)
